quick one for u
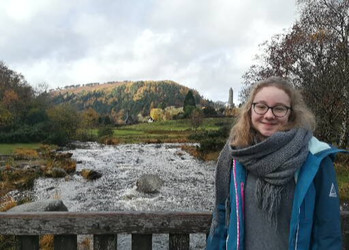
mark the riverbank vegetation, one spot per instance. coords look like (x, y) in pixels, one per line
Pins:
(19, 170)
(342, 170)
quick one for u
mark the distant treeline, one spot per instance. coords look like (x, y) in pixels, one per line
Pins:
(128, 98)
(38, 115)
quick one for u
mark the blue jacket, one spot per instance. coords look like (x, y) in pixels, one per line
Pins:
(315, 220)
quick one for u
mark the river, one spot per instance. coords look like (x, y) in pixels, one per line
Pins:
(188, 182)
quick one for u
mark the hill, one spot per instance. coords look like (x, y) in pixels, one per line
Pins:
(120, 99)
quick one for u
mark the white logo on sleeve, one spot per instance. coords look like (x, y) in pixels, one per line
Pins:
(333, 192)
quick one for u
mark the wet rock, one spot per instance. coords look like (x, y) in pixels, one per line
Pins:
(68, 178)
(66, 155)
(90, 174)
(179, 153)
(24, 166)
(17, 196)
(55, 172)
(149, 183)
(40, 206)
(58, 173)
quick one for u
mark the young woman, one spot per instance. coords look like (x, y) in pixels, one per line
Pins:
(276, 185)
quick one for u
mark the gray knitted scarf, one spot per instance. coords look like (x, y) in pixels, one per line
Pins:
(274, 161)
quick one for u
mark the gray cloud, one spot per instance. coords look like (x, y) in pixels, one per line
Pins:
(206, 45)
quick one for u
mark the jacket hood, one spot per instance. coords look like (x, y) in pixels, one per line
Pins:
(316, 146)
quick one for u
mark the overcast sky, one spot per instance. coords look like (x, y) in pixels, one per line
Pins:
(204, 44)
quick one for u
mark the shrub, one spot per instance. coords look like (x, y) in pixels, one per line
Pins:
(106, 131)
(24, 153)
(211, 145)
(84, 135)
(58, 137)
(7, 242)
(211, 141)
(46, 242)
(197, 118)
(209, 111)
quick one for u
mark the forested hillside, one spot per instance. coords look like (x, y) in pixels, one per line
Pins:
(119, 99)
(58, 116)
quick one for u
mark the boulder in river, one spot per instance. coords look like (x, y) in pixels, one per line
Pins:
(90, 174)
(149, 183)
(58, 173)
(40, 206)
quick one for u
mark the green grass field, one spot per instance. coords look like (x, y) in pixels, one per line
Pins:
(9, 148)
(177, 125)
(165, 131)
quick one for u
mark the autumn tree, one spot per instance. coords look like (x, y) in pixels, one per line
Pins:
(64, 122)
(209, 111)
(157, 114)
(17, 104)
(314, 55)
(6, 118)
(37, 109)
(172, 112)
(89, 118)
(28, 115)
(15, 95)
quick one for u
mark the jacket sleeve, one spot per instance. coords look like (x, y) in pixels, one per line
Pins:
(218, 232)
(326, 233)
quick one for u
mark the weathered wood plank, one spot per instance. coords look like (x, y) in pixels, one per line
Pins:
(179, 242)
(142, 242)
(105, 242)
(65, 242)
(26, 242)
(103, 223)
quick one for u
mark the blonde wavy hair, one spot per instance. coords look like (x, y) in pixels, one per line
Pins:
(242, 134)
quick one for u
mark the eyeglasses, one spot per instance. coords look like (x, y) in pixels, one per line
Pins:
(278, 110)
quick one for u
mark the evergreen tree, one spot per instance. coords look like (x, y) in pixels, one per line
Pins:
(189, 104)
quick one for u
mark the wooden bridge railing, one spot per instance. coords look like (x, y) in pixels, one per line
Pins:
(104, 226)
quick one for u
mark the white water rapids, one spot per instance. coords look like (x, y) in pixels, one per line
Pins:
(188, 182)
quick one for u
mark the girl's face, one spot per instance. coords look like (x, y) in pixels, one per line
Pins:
(274, 101)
